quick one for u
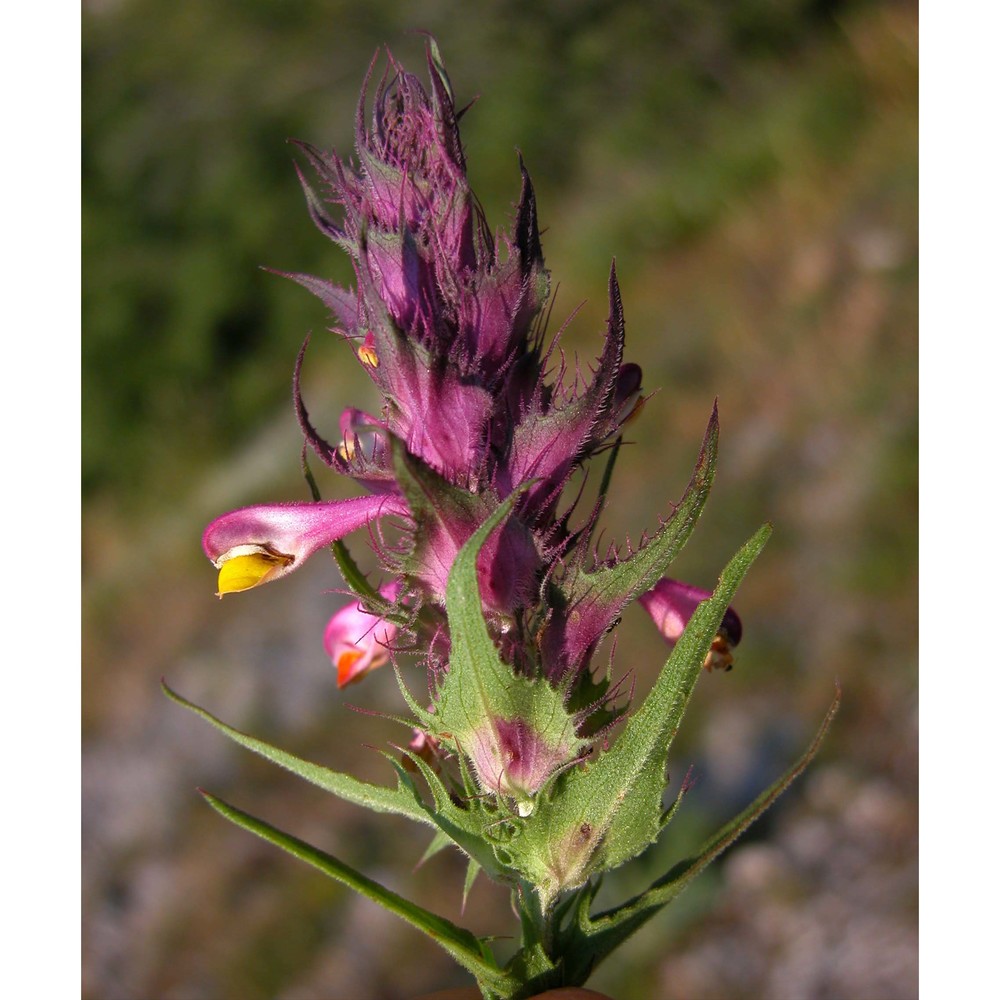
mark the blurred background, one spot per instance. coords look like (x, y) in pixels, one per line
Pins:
(751, 165)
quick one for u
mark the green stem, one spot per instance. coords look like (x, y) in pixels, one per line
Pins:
(536, 924)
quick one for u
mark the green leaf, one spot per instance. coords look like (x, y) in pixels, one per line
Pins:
(634, 768)
(534, 964)
(482, 677)
(375, 797)
(438, 843)
(669, 813)
(470, 877)
(606, 812)
(465, 828)
(420, 713)
(618, 584)
(354, 578)
(479, 688)
(592, 940)
(461, 944)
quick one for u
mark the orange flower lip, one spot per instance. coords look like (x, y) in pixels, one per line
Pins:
(358, 642)
(345, 667)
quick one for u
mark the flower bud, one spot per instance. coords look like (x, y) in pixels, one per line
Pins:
(512, 758)
(357, 641)
(671, 604)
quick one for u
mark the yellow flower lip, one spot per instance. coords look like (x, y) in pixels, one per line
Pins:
(244, 567)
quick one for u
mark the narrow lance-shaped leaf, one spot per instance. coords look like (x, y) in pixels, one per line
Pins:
(470, 877)
(589, 602)
(464, 828)
(438, 843)
(375, 797)
(454, 826)
(641, 753)
(461, 944)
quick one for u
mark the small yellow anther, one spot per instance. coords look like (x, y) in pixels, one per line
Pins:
(346, 448)
(368, 356)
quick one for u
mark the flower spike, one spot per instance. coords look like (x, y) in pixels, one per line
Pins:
(481, 446)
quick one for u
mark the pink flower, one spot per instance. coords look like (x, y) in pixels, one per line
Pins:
(254, 545)
(357, 641)
(671, 604)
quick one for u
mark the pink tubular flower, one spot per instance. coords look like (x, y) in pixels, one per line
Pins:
(357, 641)
(671, 604)
(254, 545)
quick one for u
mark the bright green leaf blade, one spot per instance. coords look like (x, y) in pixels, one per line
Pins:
(472, 649)
(438, 843)
(371, 600)
(611, 810)
(615, 586)
(595, 939)
(416, 764)
(650, 733)
(421, 714)
(462, 945)
(463, 828)
(671, 810)
(354, 578)
(479, 688)
(470, 877)
(375, 797)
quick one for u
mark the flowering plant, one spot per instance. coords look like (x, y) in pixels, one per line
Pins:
(527, 757)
